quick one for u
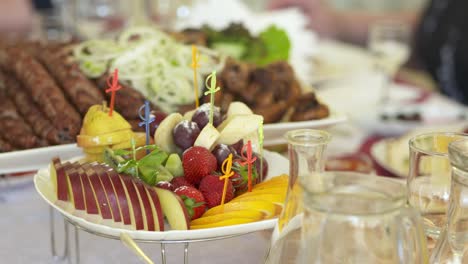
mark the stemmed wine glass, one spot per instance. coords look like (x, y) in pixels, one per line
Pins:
(389, 44)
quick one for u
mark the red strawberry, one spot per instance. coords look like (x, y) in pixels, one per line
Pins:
(165, 185)
(212, 188)
(193, 200)
(177, 182)
(198, 162)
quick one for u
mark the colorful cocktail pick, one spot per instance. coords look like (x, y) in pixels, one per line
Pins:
(212, 89)
(147, 119)
(195, 66)
(248, 160)
(226, 168)
(113, 87)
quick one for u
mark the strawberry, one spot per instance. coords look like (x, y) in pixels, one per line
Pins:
(177, 182)
(165, 185)
(198, 162)
(212, 188)
(240, 179)
(193, 200)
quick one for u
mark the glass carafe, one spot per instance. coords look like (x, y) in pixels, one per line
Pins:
(452, 246)
(306, 149)
(360, 218)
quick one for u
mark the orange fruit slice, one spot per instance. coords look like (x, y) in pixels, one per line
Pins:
(228, 222)
(252, 214)
(267, 208)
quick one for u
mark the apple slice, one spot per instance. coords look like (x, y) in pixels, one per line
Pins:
(136, 212)
(163, 136)
(75, 188)
(99, 194)
(207, 137)
(146, 205)
(156, 208)
(112, 197)
(174, 209)
(59, 179)
(238, 108)
(122, 197)
(92, 207)
(236, 127)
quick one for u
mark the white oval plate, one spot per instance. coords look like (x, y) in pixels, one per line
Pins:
(277, 165)
(274, 133)
(34, 159)
(378, 152)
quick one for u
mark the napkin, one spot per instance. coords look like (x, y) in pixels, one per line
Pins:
(219, 14)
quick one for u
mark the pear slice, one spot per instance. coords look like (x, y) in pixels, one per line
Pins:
(238, 108)
(97, 122)
(236, 127)
(207, 137)
(104, 139)
(163, 136)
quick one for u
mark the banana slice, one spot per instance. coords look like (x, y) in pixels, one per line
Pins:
(236, 127)
(163, 137)
(238, 108)
(208, 137)
(188, 115)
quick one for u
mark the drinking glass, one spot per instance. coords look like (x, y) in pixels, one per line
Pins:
(452, 246)
(306, 149)
(356, 218)
(429, 177)
(95, 18)
(389, 44)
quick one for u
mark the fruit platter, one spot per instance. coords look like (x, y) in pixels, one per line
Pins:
(201, 175)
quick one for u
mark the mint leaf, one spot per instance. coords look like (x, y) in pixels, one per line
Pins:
(277, 45)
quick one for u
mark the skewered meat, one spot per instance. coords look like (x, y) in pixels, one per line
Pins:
(130, 99)
(5, 146)
(235, 76)
(309, 108)
(80, 91)
(43, 90)
(13, 127)
(31, 113)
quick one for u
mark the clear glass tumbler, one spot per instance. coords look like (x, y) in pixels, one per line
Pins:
(452, 246)
(429, 178)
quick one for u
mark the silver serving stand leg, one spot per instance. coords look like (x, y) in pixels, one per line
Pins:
(163, 252)
(67, 254)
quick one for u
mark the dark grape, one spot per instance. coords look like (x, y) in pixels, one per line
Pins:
(221, 152)
(238, 146)
(185, 133)
(202, 116)
(159, 117)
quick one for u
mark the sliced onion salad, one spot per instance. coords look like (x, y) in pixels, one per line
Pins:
(150, 61)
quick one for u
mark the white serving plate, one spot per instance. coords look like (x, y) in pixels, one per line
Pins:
(34, 159)
(378, 152)
(274, 133)
(277, 165)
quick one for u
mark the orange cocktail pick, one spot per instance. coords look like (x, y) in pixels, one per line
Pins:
(226, 168)
(195, 66)
(248, 160)
(113, 87)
